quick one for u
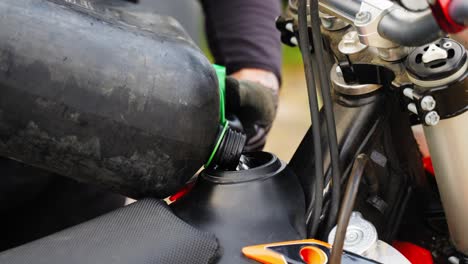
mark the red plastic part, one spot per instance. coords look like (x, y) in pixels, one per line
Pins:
(415, 254)
(182, 192)
(440, 10)
(427, 161)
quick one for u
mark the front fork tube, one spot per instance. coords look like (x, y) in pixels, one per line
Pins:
(448, 145)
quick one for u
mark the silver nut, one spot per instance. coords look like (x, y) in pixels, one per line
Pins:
(428, 103)
(363, 16)
(447, 45)
(432, 118)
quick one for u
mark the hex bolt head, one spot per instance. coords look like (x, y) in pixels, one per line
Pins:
(432, 118)
(428, 103)
(363, 16)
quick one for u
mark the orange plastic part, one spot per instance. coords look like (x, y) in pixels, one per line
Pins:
(313, 255)
(262, 254)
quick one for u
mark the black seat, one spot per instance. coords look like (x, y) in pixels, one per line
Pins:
(145, 232)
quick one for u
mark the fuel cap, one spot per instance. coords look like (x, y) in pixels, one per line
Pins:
(360, 235)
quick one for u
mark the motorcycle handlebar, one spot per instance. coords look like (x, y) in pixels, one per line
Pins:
(400, 26)
(410, 29)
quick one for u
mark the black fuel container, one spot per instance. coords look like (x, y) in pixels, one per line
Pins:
(87, 94)
(263, 203)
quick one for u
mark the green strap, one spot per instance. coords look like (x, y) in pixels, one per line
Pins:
(218, 143)
(221, 74)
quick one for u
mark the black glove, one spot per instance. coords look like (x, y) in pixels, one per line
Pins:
(251, 108)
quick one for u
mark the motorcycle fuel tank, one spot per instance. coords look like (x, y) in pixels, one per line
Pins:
(261, 202)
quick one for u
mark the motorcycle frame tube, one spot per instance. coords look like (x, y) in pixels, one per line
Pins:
(448, 146)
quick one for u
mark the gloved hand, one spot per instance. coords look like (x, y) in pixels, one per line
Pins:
(254, 105)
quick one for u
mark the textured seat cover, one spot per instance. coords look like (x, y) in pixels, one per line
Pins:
(145, 232)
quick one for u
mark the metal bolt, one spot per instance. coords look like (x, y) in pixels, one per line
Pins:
(351, 36)
(413, 109)
(293, 41)
(453, 260)
(428, 103)
(350, 44)
(411, 94)
(408, 92)
(351, 39)
(432, 118)
(363, 16)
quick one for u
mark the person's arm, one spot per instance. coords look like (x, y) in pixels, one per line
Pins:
(242, 36)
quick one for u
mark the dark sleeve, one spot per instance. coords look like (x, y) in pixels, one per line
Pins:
(242, 33)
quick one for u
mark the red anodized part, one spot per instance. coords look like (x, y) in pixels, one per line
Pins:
(440, 10)
(415, 254)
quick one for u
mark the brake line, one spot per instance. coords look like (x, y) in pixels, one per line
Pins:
(315, 205)
(329, 116)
